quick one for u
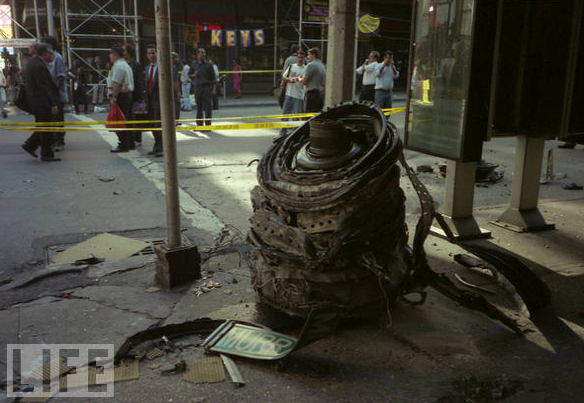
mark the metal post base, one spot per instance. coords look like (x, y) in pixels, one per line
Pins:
(464, 229)
(523, 221)
(176, 266)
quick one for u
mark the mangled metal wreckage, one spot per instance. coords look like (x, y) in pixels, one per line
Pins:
(328, 229)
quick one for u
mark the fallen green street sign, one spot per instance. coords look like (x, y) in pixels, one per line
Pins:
(249, 341)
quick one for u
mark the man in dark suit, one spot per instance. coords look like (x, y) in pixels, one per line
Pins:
(43, 99)
(205, 86)
(153, 98)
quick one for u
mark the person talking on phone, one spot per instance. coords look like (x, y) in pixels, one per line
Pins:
(385, 74)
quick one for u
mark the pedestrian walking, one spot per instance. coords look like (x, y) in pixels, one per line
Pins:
(185, 81)
(314, 81)
(385, 74)
(2, 94)
(43, 99)
(78, 84)
(367, 70)
(294, 98)
(153, 98)
(59, 74)
(121, 79)
(236, 79)
(138, 92)
(203, 76)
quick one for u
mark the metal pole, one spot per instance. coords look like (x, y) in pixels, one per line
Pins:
(124, 20)
(36, 21)
(16, 30)
(136, 37)
(300, 26)
(65, 13)
(162, 15)
(275, 38)
(50, 18)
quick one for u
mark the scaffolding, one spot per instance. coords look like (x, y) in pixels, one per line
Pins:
(89, 24)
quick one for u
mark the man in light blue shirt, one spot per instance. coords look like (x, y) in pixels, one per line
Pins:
(59, 74)
(385, 74)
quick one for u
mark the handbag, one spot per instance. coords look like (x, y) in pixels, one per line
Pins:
(283, 84)
(115, 115)
(21, 101)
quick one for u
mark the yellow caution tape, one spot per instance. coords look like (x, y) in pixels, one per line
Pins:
(50, 126)
(387, 111)
(201, 128)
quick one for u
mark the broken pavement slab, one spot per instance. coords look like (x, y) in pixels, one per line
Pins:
(134, 299)
(106, 246)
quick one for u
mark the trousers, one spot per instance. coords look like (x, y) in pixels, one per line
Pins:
(314, 100)
(204, 100)
(42, 139)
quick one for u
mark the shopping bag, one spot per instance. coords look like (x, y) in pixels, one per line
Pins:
(115, 115)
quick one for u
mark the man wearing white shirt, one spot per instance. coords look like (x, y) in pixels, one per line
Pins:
(294, 99)
(385, 74)
(367, 70)
(121, 78)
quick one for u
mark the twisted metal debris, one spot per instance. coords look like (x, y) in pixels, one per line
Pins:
(328, 227)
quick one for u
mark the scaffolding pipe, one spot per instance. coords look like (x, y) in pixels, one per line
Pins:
(65, 11)
(300, 26)
(136, 37)
(50, 18)
(162, 16)
(36, 21)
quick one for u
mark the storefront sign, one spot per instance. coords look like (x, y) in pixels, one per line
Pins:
(16, 43)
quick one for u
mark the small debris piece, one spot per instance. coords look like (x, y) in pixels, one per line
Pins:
(88, 261)
(152, 289)
(154, 366)
(28, 181)
(233, 371)
(573, 186)
(117, 193)
(177, 368)
(228, 292)
(476, 287)
(234, 281)
(206, 370)
(154, 353)
(424, 168)
(106, 178)
(127, 370)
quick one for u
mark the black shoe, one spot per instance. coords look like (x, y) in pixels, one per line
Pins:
(159, 154)
(4, 114)
(50, 159)
(29, 150)
(152, 152)
(119, 149)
